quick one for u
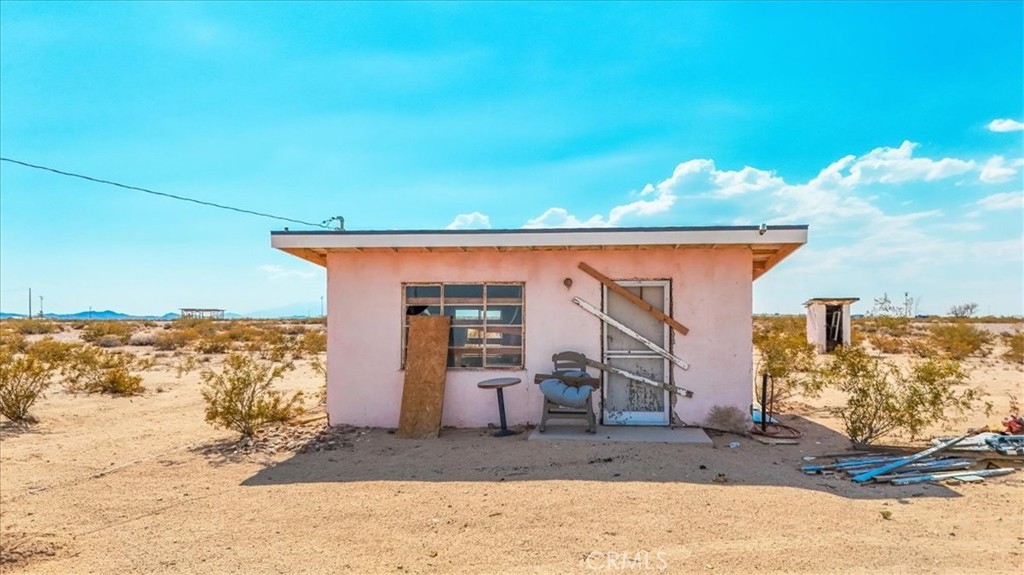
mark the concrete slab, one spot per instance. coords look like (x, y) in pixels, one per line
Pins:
(618, 433)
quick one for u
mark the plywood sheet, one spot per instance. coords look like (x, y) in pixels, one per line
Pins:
(426, 359)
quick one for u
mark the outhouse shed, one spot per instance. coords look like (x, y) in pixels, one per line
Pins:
(828, 322)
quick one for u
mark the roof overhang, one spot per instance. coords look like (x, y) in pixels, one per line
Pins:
(769, 244)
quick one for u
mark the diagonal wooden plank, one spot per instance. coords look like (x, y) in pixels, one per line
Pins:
(632, 298)
(631, 333)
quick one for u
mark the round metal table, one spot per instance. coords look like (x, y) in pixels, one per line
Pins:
(500, 383)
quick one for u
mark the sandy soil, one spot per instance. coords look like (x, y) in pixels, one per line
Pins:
(144, 485)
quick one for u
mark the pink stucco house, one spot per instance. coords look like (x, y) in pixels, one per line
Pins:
(510, 295)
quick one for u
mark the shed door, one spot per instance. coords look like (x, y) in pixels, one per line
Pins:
(628, 402)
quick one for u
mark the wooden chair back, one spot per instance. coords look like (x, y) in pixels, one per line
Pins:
(569, 361)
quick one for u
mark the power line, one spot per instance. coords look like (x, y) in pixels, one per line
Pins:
(166, 195)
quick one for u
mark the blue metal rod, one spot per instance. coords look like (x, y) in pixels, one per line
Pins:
(869, 475)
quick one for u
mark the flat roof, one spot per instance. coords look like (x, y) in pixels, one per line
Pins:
(769, 244)
(831, 300)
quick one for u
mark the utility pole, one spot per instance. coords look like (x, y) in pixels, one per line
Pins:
(29, 303)
(40, 307)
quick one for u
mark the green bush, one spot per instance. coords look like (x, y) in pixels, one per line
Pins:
(883, 399)
(959, 340)
(22, 381)
(241, 397)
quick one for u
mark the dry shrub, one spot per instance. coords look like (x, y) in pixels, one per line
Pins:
(857, 337)
(890, 325)
(313, 342)
(291, 328)
(886, 343)
(23, 380)
(201, 325)
(142, 339)
(1015, 343)
(34, 326)
(922, 348)
(883, 399)
(108, 341)
(320, 367)
(174, 339)
(13, 342)
(959, 340)
(213, 343)
(786, 356)
(274, 350)
(51, 352)
(727, 418)
(241, 396)
(186, 365)
(91, 370)
(108, 331)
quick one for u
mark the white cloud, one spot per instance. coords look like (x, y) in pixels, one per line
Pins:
(276, 272)
(997, 170)
(471, 221)
(836, 193)
(1005, 125)
(654, 200)
(701, 177)
(561, 218)
(895, 165)
(1002, 201)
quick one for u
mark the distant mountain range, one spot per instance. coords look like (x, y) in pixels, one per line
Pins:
(86, 315)
(299, 310)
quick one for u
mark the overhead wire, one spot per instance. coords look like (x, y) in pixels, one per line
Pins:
(163, 194)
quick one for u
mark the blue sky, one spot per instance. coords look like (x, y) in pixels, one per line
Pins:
(893, 130)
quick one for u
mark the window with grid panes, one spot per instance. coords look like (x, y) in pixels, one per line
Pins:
(487, 321)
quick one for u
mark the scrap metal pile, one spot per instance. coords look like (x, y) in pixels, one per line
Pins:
(921, 467)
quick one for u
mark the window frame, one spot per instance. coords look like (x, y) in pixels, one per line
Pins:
(483, 327)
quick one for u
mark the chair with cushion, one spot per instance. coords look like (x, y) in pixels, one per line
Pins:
(568, 390)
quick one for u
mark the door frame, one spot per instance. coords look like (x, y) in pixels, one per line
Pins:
(637, 418)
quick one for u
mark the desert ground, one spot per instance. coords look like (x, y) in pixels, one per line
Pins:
(142, 484)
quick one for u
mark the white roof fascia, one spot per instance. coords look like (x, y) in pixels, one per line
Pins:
(597, 237)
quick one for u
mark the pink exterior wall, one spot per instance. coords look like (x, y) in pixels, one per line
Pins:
(711, 295)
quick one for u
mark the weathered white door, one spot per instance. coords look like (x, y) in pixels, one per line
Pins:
(629, 402)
